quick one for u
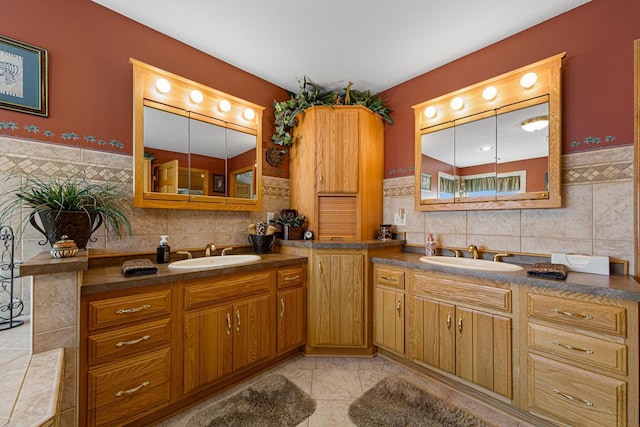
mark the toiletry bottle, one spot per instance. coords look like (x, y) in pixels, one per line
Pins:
(430, 247)
(163, 251)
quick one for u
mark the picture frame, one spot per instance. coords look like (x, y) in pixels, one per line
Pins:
(24, 83)
(425, 182)
(218, 184)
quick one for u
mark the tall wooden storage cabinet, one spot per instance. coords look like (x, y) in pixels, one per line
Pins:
(336, 169)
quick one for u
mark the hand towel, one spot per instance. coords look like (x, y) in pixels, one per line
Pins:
(546, 270)
(138, 267)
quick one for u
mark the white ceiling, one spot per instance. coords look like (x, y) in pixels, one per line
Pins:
(376, 44)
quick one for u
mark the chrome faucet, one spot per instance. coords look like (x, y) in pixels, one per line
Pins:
(225, 250)
(208, 250)
(473, 249)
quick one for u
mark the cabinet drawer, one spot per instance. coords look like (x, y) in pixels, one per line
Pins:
(389, 277)
(129, 389)
(587, 315)
(470, 293)
(292, 276)
(576, 396)
(116, 311)
(213, 291)
(127, 341)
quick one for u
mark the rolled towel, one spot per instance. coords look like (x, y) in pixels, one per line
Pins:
(138, 267)
(546, 270)
(252, 229)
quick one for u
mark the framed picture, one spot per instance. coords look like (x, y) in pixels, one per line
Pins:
(218, 184)
(23, 77)
(425, 182)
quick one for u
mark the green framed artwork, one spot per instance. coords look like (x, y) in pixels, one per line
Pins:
(23, 77)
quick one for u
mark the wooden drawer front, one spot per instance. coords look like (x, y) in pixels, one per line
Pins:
(479, 295)
(574, 395)
(292, 276)
(129, 389)
(132, 340)
(581, 314)
(116, 311)
(216, 290)
(388, 277)
(581, 348)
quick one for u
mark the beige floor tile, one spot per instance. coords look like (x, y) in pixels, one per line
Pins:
(331, 413)
(300, 378)
(370, 378)
(337, 363)
(336, 384)
(306, 362)
(489, 415)
(372, 363)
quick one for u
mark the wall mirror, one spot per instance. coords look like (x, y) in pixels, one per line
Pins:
(195, 147)
(493, 145)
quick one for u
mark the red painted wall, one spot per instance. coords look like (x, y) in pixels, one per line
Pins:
(597, 78)
(90, 78)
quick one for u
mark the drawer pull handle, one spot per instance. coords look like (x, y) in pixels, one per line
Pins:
(132, 390)
(399, 307)
(571, 398)
(290, 278)
(449, 322)
(133, 310)
(391, 279)
(132, 342)
(281, 307)
(570, 347)
(320, 268)
(237, 320)
(576, 315)
(460, 325)
(228, 323)
(321, 179)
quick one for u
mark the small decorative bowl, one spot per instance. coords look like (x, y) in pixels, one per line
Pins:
(64, 248)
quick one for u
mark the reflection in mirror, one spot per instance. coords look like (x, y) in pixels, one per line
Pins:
(438, 171)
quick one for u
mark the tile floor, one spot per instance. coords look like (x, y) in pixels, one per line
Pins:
(336, 382)
(15, 355)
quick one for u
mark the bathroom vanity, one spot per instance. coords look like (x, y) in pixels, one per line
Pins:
(565, 351)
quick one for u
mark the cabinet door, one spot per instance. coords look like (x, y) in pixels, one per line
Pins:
(336, 300)
(207, 346)
(337, 151)
(434, 333)
(291, 330)
(389, 319)
(253, 337)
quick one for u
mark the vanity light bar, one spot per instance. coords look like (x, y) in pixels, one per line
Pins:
(163, 85)
(224, 106)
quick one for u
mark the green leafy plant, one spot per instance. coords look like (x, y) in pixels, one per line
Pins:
(292, 220)
(72, 193)
(310, 95)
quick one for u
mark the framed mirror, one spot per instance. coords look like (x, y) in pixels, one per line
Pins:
(493, 145)
(193, 151)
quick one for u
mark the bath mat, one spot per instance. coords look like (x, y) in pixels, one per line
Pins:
(394, 402)
(272, 401)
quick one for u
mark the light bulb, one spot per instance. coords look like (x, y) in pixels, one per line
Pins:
(225, 106)
(430, 112)
(528, 80)
(489, 93)
(249, 114)
(163, 85)
(457, 103)
(196, 96)
(535, 123)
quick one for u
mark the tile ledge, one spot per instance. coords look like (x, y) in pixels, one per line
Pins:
(28, 409)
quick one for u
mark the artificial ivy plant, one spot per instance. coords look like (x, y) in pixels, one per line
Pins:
(311, 95)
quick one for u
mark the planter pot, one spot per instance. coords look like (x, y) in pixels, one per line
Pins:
(262, 244)
(292, 233)
(77, 226)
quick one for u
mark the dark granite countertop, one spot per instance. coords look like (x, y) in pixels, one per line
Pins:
(614, 286)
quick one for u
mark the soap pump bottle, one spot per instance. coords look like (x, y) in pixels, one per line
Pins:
(430, 247)
(163, 251)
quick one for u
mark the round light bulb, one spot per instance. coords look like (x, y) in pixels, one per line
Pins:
(196, 96)
(457, 103)
(430, 112)
(249, 114)
(163, 85)
(225, 106)
(528, 80)
(489, 93)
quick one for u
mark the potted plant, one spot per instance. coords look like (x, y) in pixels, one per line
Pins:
(292, 225)
(70, 206)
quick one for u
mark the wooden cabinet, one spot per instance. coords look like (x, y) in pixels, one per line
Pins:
(291, 324)
(389, 308)
(580, 370)
(231, 332)
(336, 170)
(463, 334)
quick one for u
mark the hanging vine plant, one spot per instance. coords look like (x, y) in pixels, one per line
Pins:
(310, 95)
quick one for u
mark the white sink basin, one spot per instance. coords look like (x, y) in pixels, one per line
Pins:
(470, 264)
(213, 262)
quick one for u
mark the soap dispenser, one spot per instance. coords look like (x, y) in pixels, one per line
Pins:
(430, 247)
(163, 251)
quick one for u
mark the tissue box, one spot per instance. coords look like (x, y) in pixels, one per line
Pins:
(583, 263)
